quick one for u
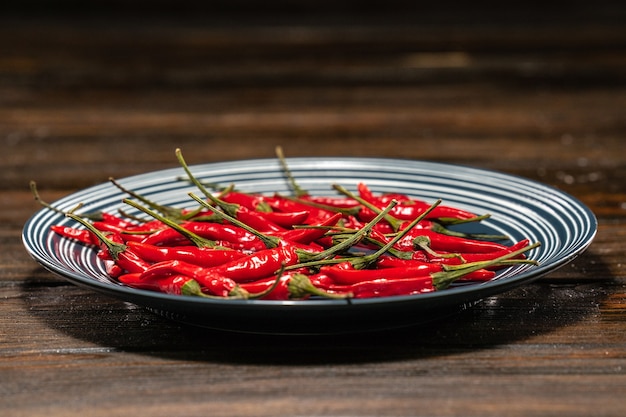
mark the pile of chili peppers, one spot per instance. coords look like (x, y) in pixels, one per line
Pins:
(243, 245)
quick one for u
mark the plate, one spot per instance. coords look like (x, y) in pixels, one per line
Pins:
(519, 208)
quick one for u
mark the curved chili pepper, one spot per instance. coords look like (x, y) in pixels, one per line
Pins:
(121, 231)
(445, 243)
(122, 255)
(285, 219)
(344, 276)
(383, 287)
(81, 235)
(291, 286)
(258, 203)
(479, 257)
(256, 220)
(250, 201)
(206, 257)
(408, 209)
(341, 203)
(182, 285)
(261, 264)
(211, 281)
(282, 204)
(308, 235)
(219, 235)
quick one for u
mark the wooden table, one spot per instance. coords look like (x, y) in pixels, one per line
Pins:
(539, 93)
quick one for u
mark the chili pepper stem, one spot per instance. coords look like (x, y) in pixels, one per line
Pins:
(297, 190)
(443, 279)
(171, 212)
(364, 261)
(423, 242)
(300, 286)
(197, 240)
(268, 241)
(193, 288)
(346, 211)
(114, 248)
(395, 223)
(33, 188)
(436, 227)
(229, 208)
(347, 243)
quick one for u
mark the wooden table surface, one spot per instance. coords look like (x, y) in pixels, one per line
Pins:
(537, 92)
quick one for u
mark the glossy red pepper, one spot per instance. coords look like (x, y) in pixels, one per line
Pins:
(261, 264)
(206, 257)
(385, 287)
(170, 284)
(184, 285)
(480, 257)
(122, 255)
(121, 231)
(307, 235)
(285, 219)
(344, 276)
(445, 243)
(288, 287)
(250, 201)
(282, 204)
(81, 235)
(408, 209)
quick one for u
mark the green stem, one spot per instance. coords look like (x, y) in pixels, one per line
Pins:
(395, 223)
(229, 208)
(423, 242)
(171, 212)
(114, 248)
(442, 280)
(91, 216)
(345, 211)
(436, 227)
(197, 240)
(297, 190)
(268, 241)
(312, 259)
(368, 259)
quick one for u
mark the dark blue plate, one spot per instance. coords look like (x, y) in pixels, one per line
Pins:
(519, 208)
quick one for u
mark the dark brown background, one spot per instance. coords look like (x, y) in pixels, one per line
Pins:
(111, 89)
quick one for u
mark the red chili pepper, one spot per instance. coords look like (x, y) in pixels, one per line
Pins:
(251, 267)
(180, 285)
(250, 201)
(219, 234)
(408, 209)
(385, 287)
(113, 269)
(307, 235)
(122, 255)
(257, 220)
(285, 219)
(288, 287)
(280, 290)
(479, 257)
(211, 281)
(445, 243)
(114, 220)
(282, 204)
(340, 203)
(81, 235)
(344, 276)
(206, 257)
(170, 284)
(121, 231)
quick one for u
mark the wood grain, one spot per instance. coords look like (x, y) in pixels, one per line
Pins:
(85, 96)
